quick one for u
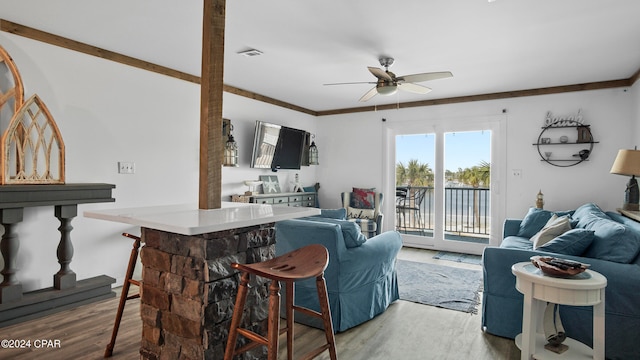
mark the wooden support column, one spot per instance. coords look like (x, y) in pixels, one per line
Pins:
(211, 88)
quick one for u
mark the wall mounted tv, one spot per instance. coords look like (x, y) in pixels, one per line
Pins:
(277, 147)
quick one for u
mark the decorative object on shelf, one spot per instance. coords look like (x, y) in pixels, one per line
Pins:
(565, 156)
(583, 154)
(230, 147)
(270, 184)
(252, 186)
(627, 163)
(241, 198)
(584, 134)
(32, 148)
(295, 185)
(540, 200)
(313, 152)
(559, 121)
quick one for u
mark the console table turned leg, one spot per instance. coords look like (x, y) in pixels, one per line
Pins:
(10, 288)
(65, 278)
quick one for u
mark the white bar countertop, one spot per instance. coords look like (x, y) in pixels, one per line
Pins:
(187, 219)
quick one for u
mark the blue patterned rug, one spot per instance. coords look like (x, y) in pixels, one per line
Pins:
(441, 286)
(458, 257)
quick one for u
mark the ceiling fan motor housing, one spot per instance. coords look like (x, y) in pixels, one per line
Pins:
(386, 61)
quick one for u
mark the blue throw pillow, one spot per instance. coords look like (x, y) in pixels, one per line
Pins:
(572, 242)
(533, 222)
(340, 214)
(612, 240)
(353, 236)
(351, 233)
(587, 213)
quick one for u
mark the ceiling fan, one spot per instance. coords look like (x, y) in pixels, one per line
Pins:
(388, 83)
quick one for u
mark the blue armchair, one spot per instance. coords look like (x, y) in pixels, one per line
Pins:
(361, 275)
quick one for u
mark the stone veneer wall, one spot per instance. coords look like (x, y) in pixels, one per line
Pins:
(189, 290)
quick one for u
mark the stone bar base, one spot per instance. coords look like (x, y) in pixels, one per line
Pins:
(47, 301)
(189, 290)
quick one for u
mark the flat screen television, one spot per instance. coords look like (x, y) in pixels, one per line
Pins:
(277, 147)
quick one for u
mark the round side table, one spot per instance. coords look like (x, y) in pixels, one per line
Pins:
(585, 289)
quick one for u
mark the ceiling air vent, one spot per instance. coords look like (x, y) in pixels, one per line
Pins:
(250, 52)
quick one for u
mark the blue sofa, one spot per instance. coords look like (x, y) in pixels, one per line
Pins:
(361, 275)
(609, 242)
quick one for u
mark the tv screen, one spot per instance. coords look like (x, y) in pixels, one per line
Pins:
(277, 147)
(288, 154)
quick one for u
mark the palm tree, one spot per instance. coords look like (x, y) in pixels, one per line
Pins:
(414, 174)
(401, 174)
(476, 176)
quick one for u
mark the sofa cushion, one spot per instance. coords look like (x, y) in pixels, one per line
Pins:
(587, 213)
(536, 219)
(340, 214)
(516, 242)
(573, 242)
(556, 226)
(533, 222)
(612, 241)
(351, 233)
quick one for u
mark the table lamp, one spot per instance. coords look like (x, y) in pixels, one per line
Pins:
(628, 163)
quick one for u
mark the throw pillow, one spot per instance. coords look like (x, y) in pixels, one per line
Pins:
(363, 198)
(556, 226)
(612, 241)
(352, 235)
(586, 214)
(340, 214)
(573, 242)
(533, 222)
(353, 213)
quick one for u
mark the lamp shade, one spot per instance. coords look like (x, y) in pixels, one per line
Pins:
(627, 163)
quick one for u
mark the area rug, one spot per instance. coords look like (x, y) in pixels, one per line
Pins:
(458, 257)
(441, 286)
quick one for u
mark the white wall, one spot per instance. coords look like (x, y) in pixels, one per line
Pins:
(107, 113)
(635, 118)
(352, 145)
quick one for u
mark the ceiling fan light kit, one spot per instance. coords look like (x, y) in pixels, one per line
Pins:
(388, 83)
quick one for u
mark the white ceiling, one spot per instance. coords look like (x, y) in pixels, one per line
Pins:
(490, 47)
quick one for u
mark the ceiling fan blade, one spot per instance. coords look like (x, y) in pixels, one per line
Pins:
(371, 93)
(379, 73)
(414, 88)
(351, 83)
(425, 76)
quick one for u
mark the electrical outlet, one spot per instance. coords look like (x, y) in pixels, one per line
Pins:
(517, 173)
(126, 167)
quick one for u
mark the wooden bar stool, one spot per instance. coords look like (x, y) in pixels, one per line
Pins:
(124, 296)
(306, 262)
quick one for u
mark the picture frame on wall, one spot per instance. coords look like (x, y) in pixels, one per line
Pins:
(270, 184)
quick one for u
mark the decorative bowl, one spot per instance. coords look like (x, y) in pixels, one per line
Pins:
(558, 267)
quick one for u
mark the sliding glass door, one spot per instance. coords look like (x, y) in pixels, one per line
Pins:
(445, 177)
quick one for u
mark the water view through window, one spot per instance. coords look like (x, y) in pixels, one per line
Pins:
(465, 185)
